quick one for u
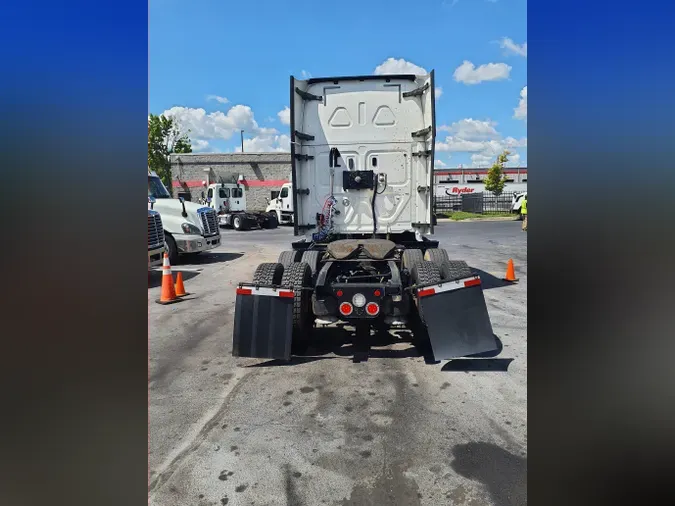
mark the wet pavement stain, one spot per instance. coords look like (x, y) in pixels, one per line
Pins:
(503, 473)
(240, 488)
(292, 497)
(445, 385)
(392, 488)
(365, 454)
(306, 390)
(287, 403)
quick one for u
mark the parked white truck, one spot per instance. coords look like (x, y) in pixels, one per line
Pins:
(155, 236)
(362, 154)
(282, 206)
(229, 202)
(189, 228)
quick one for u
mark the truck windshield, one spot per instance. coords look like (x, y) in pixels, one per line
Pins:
(157, 189)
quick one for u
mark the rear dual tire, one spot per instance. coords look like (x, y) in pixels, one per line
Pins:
(298, 275)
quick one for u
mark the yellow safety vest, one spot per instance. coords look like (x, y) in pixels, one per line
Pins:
(523, 206)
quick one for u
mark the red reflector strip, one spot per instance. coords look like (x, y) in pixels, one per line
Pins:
(425, 292)
(289, 295)
(472, 282)
(244, 291)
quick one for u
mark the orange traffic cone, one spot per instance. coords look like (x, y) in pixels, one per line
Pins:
(510, 272)
(168, 291)
(180, 289)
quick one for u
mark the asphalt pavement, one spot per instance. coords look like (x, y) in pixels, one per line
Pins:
(394, 430)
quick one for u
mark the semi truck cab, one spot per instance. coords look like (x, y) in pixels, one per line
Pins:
(283, 205)
(188, 227)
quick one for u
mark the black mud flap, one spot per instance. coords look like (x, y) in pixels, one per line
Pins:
(456, 318)
(263, 323)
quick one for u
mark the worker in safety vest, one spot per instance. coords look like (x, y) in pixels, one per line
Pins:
(523, 211)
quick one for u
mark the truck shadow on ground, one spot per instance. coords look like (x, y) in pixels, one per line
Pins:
(155, 277)
(337, 341)
(488, 281)
(210, 258)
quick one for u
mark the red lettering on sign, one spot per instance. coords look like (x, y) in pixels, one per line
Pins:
(457, 190)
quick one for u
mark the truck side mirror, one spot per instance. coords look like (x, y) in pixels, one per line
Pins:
(182, 201)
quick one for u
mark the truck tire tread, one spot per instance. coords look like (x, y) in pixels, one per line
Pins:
(286, 258)
(299, 275)
(426, 273)
(436, 255)
(411, 257)
(455, 269)
(311, 258)
(269, 273)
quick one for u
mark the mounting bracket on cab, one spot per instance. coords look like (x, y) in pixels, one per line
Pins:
(302, 191)
(422, 153)
(304, 158)
(418, 91)
(420, 133)
(303, 136)
(308, 96)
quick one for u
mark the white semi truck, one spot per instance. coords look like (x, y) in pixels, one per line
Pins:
(282, 206)
(189, 228)
(229, 202)
(155, 236)
(362, 154)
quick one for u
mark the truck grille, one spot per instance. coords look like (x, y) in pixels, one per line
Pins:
(209, 221)
(155, 230)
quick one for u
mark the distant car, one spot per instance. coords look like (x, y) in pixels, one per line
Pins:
(517, 202)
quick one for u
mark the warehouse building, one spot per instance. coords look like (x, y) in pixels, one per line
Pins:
(262, 174)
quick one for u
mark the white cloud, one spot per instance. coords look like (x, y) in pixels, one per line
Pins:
(514, 160)
(512, 47)
(480, 160)
(199, 144)
(481, 139)
(222, 100)
(394, 66)
(438, 92)
(472, 129)
(520, 112)
(468, 73)
(305, 75)
(266, 143)
(440, 164)
(486, 160)
(216, 125)
(285, 116)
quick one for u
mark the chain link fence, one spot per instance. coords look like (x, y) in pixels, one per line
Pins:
(478, 203)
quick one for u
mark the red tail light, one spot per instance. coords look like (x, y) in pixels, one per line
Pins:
(339, 293)
(372, 309)
(377, 293)
(346, 308)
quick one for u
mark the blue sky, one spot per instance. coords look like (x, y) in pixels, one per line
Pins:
(222, 66)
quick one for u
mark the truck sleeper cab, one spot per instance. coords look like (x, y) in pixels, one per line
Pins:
(362, 154)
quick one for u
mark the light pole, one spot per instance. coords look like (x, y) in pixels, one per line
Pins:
(242, 141)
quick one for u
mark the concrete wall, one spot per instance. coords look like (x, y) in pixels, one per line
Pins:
(263, 173)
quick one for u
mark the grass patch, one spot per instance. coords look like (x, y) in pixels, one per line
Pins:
(461, 215)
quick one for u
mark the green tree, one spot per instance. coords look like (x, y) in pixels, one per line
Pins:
(165, 138)
(495, 180)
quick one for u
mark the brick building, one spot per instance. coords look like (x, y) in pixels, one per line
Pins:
(263, 174)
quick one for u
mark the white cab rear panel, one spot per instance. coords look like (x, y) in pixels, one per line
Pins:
(371, 123)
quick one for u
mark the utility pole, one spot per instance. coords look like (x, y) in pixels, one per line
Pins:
(242, 141)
